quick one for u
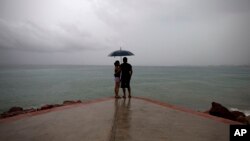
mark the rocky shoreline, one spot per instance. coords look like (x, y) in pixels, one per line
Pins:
(216, 110)
(221, 111)
(14, 111)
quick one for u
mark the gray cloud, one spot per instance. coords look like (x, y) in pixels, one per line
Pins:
(29, 36)
(166, 32)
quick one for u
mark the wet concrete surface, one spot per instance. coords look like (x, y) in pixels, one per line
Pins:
(115, 120)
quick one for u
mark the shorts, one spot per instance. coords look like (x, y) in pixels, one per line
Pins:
(117, 79)
(125, 83)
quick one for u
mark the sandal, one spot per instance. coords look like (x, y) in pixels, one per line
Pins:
(124, 97)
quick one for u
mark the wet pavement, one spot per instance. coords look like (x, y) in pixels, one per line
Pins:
(136, 119)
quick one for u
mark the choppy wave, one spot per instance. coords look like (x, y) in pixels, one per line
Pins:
(246, 112)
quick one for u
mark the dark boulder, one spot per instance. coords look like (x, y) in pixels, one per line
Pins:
(19, 110)
(45, 107)
(15, 109)
(30, 110)
(242, 119)
(248, 119)
(57, 105)
(12, 112)
(238, 114)
(221, 111)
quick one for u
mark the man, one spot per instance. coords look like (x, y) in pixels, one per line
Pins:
(127, 71)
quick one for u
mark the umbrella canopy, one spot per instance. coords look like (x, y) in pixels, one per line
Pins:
(121, 53)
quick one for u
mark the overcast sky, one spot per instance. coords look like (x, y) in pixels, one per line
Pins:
(158, 32)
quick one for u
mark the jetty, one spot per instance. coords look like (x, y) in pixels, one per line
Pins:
(109, 119)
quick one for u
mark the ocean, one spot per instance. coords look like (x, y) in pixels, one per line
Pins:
(192, 87)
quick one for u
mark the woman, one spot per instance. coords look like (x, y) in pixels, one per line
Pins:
(117, 75)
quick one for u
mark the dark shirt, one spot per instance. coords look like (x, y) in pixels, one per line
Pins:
(126, 69)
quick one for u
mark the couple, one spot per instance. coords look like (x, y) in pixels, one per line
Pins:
(123, 74)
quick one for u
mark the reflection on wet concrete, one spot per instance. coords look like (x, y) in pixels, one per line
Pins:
(121, 120)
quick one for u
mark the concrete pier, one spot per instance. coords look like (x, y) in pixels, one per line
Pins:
(109, 119)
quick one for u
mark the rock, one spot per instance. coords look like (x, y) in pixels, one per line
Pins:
(15, 109)
(30, 110)
(238, 114)
(45, 107)
(19, 110)
(57, 105)
(78, 101)
(221, 111)
(68, 102)
(242, 119)
(248, 119)
(12, 112)
(49, 106)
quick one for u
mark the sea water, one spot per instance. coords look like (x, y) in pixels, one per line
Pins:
(191, 87)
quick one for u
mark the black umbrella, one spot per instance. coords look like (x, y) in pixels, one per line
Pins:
(120, 53)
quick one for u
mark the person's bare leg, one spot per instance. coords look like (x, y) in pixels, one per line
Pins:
(117, 90)
(124, 92)
(129, 92)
